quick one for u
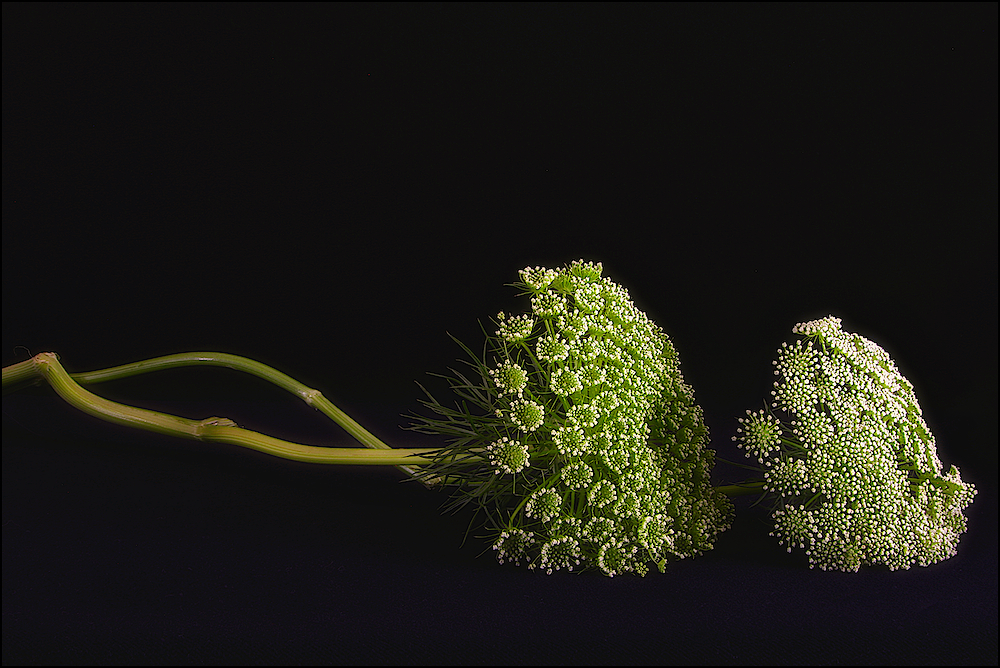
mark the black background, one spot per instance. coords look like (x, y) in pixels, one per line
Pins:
(332, 189)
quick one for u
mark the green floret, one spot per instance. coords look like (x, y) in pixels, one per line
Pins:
(851, 463)
(508, 456)
(526, 415)
(610, 466)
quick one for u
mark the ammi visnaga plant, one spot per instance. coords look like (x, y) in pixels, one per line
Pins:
(577, 440)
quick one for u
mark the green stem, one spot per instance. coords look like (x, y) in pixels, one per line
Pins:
(311, 396)
(743, 489)
(220, 430)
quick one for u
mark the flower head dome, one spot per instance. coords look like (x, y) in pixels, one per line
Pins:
(850, 460)
(596, 450)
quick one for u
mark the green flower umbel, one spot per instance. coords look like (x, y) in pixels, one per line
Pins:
(850, 461)
(578, 436)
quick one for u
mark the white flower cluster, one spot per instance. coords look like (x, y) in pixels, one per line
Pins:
(855, 467)
(619, 469)
(526, 415)
(761, 434)
(509, 378)
(515, 329)
(508, 456)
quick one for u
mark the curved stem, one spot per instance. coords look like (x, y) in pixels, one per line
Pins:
(311, 396)
(214, 429)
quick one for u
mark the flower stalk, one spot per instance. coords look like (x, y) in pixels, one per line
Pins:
(46, 366)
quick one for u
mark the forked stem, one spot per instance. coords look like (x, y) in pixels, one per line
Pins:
(219, 430)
